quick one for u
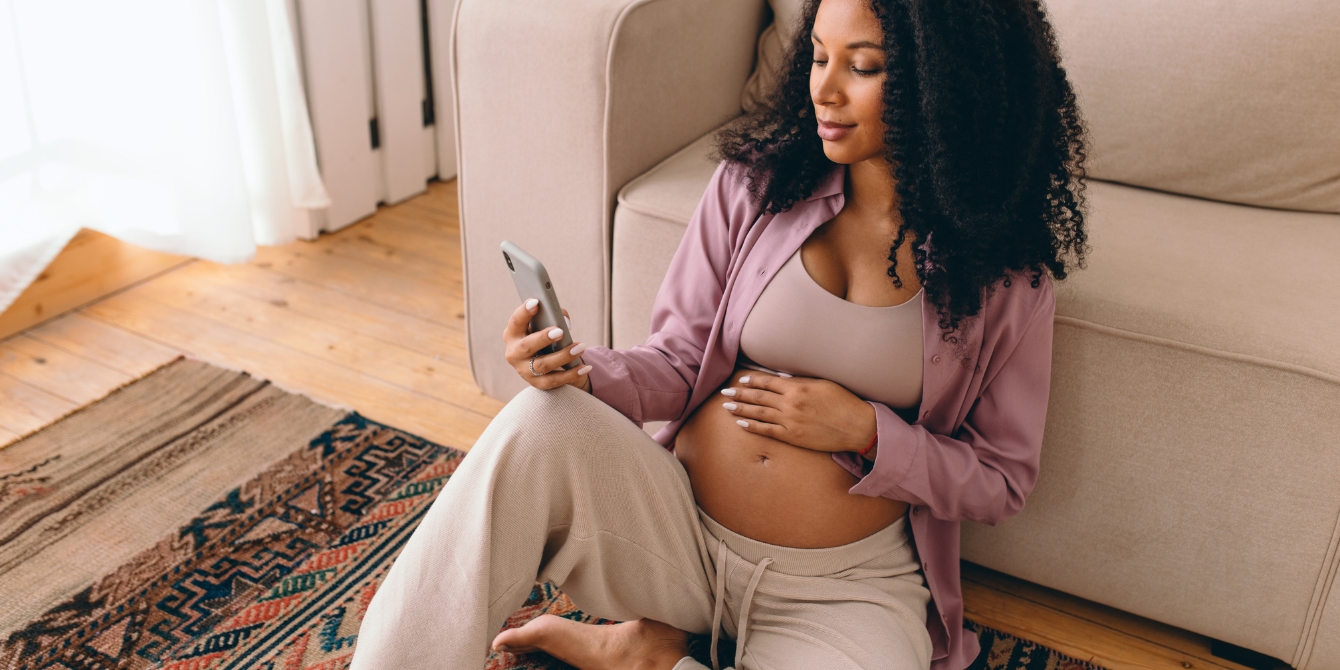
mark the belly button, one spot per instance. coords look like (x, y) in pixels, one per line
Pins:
(762, 459)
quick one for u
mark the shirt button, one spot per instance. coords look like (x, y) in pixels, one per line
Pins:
(935, 358)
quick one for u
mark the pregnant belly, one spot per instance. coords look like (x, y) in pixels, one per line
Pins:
(772, 491)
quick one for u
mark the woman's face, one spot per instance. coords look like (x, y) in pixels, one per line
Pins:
(847, 80)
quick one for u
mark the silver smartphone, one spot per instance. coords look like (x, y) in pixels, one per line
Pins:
(532, 281)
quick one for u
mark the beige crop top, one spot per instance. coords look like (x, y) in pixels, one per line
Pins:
(798, 327)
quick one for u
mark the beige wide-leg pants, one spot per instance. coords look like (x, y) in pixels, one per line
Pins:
(561, 487)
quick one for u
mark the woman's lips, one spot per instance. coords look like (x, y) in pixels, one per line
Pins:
(834, 131)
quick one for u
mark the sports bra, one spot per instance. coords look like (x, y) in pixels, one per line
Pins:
(799, 328)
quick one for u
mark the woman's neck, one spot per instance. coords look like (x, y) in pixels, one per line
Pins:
(869, 189)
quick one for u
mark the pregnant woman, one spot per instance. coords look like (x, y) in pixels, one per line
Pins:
(853, 346)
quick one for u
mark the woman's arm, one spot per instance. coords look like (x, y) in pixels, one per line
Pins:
(986, 470)
(653, 381)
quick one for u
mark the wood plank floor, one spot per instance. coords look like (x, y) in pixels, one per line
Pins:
(91, 266)
(372, 318)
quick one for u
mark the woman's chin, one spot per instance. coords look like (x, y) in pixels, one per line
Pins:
(839, 153)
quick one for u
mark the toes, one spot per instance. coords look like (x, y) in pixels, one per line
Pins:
(529, 637)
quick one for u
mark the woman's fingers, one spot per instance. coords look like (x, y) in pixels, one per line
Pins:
(755, 412)
(764, 428)
(519, 323)
(752, 396)
(780, 383)
(531, 344)
(543, 372)
(550, 362)
(575, 376)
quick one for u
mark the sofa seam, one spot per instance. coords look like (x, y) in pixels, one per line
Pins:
(607, 213)
(622, 198)
(1198, 348)
(460, 183)
(1321, 596)
(647, 211)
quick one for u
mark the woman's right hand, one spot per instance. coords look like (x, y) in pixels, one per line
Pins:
(520, 346)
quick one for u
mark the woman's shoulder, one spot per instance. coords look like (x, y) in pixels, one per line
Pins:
(731, 178)
(1021, 295)
(728, 205)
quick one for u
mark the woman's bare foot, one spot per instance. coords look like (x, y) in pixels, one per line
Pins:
(639, 645)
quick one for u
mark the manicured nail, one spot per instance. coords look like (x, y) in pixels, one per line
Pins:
(581, 372)
(742, 423)
(567, 321)
(730, 406)
(502, 648)
(530, 304)
(555, 333)
(728, 392)
(783, 375)
(577, 349)
(744, 379)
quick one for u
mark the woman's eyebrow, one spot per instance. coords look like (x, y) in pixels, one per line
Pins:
(863, 44)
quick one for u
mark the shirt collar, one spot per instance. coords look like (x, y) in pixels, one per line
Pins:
(832, 184)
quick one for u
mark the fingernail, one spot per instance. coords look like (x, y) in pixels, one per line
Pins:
(567, 321)
(577, 349)
(501, 647)
(555, 333)
(730, 406)
(583, 370)
(530, 304)
(742, 423)
(744, 379)
(783, 375)
(728, 392)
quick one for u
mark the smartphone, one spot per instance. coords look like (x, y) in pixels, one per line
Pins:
(532, 281)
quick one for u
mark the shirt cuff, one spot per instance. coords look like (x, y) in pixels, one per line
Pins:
(611, 383)
(896, 450)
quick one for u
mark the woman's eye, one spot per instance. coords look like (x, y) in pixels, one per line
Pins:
(820, 63)
(866, 73)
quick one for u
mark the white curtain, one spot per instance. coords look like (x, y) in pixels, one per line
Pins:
(177, 125)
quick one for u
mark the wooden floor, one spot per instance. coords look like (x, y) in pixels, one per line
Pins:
(372, 318)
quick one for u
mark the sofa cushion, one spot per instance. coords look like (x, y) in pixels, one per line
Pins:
(1237, 100)
(650, 218)
(772, 45)
(1244, 281)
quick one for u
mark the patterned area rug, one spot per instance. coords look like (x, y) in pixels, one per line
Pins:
(278, 571)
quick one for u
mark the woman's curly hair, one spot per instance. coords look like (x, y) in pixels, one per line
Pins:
(985, 141)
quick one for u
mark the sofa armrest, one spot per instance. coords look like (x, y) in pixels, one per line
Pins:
(558, 106)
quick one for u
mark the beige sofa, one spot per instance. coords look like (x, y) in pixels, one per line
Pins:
(1191, 469)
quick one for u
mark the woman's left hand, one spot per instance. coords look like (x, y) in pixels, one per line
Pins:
(809, 413)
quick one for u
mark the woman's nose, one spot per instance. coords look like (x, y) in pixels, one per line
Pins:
(823, 90)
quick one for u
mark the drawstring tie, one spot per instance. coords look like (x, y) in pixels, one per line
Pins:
(742, 628)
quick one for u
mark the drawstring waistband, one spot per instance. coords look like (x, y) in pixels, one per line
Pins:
(720, 603)
(742, 627)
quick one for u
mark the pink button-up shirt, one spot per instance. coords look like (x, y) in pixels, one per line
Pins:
(972, 454)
